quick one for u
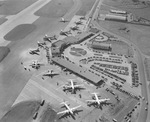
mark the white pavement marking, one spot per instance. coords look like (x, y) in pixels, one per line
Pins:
(24, 17)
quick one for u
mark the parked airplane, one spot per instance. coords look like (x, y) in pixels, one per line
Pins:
(36, 65)
(65, 33)
(35, 115)
(78, 23)
(96, 102)
(70, 111)
(50, 73)
(74, 28)
(42, 102)
(82, 18)
(72, 87)
(63, 20)
(41, 44)
(32, 52)
(49, 38)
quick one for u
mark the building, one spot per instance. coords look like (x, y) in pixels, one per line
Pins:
(118, 11)
(101, 46)
(115, 17)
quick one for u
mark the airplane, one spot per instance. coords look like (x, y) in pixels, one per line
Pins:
(41, 44)
(32, 52)
(78, 23)
(42, 102)
(74, 28)
(96, 101)
(49, 38)
(35, 115)
(70, 111)
(63, 20)
(50, 74)
(36, 65)
(72, 87)
(65, 33)
(82, 18)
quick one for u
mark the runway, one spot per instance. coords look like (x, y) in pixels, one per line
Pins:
(11, 86)
(24, 17)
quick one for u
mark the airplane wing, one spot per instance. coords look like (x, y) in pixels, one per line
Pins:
(50, 75)
(63, 112)
(78, 85)
(67, 115)
(79, 88)
(66, 111)
(91, 100)
(75, 107)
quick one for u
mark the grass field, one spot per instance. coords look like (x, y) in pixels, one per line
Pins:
(20, 32)
(2, 20)
(55, 8)
(11, 7)
(3, 52)
(86, 7)
(119, 47)
(22, 112)
(136, 8)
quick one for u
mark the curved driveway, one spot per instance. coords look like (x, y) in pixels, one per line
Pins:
(143, 114)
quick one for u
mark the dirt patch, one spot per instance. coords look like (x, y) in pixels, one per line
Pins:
(86, 7)
(2, 20)
(55, 9)
(22, 112)
(3, 52)
(11, 7)
(49, 115)
(20, 32)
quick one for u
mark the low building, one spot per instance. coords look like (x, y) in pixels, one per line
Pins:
(101, 46)
(115, 17)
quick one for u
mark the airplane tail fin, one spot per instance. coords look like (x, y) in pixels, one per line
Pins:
(94, 93)
(64, 102)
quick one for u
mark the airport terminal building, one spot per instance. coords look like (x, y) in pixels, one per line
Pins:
(64, 62)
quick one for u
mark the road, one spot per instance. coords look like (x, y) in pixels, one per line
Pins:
(143, 114)
(11, 86)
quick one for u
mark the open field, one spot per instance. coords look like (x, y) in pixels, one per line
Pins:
(137, 8)
(126, 4)
(20, 32)
(2, 20)
(55, 9)
(11, 7)
(138, 34)
(22, 112)
(119, 47)
(86, 7)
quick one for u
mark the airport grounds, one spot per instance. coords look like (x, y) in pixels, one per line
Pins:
(47, 23)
